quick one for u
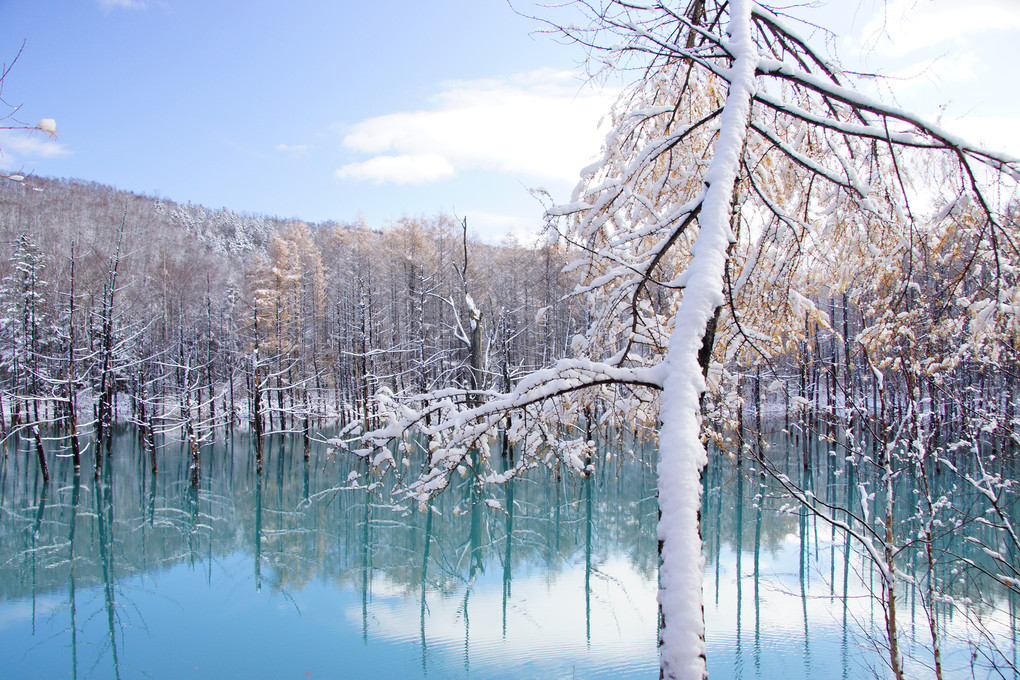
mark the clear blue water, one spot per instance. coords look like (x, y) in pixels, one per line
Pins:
(281, 576)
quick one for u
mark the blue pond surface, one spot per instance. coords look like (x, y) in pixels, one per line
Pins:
(283, 575)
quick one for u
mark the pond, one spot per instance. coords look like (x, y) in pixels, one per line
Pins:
(284, 576)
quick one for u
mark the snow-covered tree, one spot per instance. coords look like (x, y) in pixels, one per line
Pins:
(739, 161)
(24, 326)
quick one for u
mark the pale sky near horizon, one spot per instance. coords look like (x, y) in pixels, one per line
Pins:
(326, 110)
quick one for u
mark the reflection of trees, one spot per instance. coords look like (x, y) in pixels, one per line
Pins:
(298, 528)
(949, 549)
(104, 520)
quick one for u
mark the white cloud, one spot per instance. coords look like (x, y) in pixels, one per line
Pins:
(108, 5)
(524, 230)
(293, 150)
(962, 68)
(993, 133)
(944, 58)
(908, 25)
(18, 146)
(568, 632)
(540, 126)
(403, 169)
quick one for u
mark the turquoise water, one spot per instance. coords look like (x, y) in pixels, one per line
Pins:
(284, 576)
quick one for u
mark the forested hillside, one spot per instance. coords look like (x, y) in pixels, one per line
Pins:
(184, 319)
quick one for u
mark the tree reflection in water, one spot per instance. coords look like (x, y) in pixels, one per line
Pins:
(549, 575)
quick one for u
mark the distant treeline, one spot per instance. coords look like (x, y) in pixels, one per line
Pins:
(187, 322)
(184, 319)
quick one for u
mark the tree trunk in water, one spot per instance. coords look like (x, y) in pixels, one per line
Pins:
(306, 431)
(189, 426)
(41, 454)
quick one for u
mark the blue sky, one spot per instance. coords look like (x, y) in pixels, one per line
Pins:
(339, 110)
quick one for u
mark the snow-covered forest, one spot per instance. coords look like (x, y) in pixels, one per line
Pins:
(345, 313)
(760, 246)
(186, 321)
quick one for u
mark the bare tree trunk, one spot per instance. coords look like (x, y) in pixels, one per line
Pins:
(189, 425)
(256, 394)
(233, 406)
(104, 425)
(72, 398)
(41, 454)
(475, 377)
(148, 434)
(306, 430)
(364, 357)
(209, 373)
